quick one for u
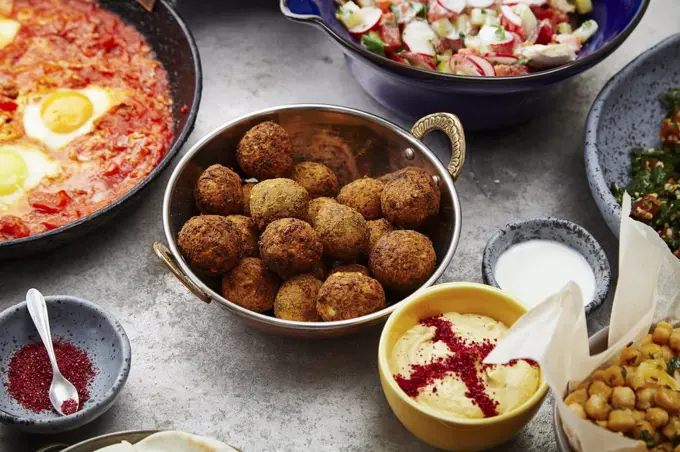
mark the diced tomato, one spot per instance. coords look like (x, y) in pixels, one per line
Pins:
(545, 32)
(436, 11)
(49, 202)
(12, 227)
(8, 105)
(513, 28)
(555, 16)
(384, 5)
(391, 36)
(445, 44)
(507, 70)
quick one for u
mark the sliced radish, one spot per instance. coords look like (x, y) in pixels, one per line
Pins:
(525, 2)
(529, 22)
(461, 65)
(419, 60)
(483, 63)
(419, 37)
(501, 58)
(435, 11)
(369, 19)
(496, 39)
(480, 3)
(405, 13)
(505, 47)
(510, 16)
(455, 6)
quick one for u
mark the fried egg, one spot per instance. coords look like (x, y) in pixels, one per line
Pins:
(22, 168)
(58, 118)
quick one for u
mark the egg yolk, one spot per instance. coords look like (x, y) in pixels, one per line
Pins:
(13, 171)
(66, 111)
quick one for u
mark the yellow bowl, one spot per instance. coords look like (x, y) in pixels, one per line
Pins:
(453, 433)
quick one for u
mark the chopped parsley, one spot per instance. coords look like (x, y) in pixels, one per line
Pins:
(648, 438)
(500, 33)
(673, 365)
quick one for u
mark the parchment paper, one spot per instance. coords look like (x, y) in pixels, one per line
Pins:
(554, 333)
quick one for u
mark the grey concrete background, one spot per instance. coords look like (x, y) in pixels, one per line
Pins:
(197, 368)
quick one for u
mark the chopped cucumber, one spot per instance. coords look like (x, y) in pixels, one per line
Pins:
(492, 21)
(347, 14)
(586, 30)
(445, 56)
(373, 42)
(583, 6)
(443, 27)
(490, 12)
(564, 28)
(463, 24)
(444, 66)
(473, 42)
(477, 17)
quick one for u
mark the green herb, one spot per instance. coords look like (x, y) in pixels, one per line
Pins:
(483, 11)
(673, 365)
(419, 8)
(461, 34)
(648, 438)
(373, 42)
(524, 61)
(500, 33)
(671, 100)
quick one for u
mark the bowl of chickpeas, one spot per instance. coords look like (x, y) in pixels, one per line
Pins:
(637, 396)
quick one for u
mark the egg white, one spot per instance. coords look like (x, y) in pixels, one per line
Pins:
(103, 99)
(39, 166)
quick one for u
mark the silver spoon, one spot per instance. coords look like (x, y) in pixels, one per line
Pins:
(61, 389)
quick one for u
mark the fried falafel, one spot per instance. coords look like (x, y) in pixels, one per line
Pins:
(289, 246)
(316, 178)
(363, 195)
(265, 152)
(403, 260)
(342, 230)
(349, 268)
(274, 199)
(218, 191)
(296, 299)
(315, 205)
(348, 296)
(246, 189)
(251, 285)
(410, 198)
(248, 231)
(376, 230)
(210, 243)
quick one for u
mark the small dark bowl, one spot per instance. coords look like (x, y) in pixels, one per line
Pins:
(555, 229)
(87, 326)
(627, 114)
(479, 102)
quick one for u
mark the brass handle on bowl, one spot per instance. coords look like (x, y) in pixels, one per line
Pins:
(165, 255)
(53, 448)
(451, 126)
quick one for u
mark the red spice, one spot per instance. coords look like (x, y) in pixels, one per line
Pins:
(69, 406)
(30, 374)
(463, 362)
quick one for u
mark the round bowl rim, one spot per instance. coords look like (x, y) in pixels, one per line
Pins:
(600, 293)
(290, 324)
(123, 434)
(172, 151)
(383, 365)
(598, 186)
(575, 66)
(110, 395)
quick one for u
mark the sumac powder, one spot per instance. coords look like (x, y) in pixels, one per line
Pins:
(29, 374)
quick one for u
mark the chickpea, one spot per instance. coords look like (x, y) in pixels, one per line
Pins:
(657, 417)
(579, 396)
(668, 400)
(674, 340)
(672, 429)
(621, 420)
(645, 398)
(663, 447)
(602, 424)
(583, 385)
(600, 388)
(623, 396)
(639, 415)
(662, 333)
(649, 437)
(597, 408)
(647, 339)
(634, 379)
(598, 375)
(651, 351)
(630, 356)
(578, 410)
(613, 376)
(667, 352)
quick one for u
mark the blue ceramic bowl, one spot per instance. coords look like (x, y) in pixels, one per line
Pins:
(627, 114)
(557, 230)
(479, 102)
(85, 325)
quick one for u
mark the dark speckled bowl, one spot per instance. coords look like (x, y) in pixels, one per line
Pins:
(87, 326)
(627, 114)
(557, 230)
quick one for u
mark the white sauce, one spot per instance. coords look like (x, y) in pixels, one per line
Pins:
(535, 269)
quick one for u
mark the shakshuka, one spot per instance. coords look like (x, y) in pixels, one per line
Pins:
(85, 112)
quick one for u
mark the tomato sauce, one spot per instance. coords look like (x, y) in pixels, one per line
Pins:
(72, 44)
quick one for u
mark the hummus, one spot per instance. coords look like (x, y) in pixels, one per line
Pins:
(439, 363)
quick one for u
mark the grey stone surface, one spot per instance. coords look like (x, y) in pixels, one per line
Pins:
(196, 368)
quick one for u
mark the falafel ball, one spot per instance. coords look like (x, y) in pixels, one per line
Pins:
(296, 299)
(265, 152)
(349, 295)
(348, 268)
(251, 284)
(289, 246)
(218, 191)
(376, 230)
(315, 205)
(403, 260)
(246, 189)
(319, 270)
(342, 230)
(363, 195)
(410, 198)
(278, 198)
(210, 243)
(318, 179)
(248, 231)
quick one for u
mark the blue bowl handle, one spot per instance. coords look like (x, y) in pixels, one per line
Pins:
(301, 10)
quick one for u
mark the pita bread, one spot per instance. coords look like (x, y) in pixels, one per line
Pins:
(172, 441)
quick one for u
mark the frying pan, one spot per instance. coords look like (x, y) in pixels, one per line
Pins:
(171, 40)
